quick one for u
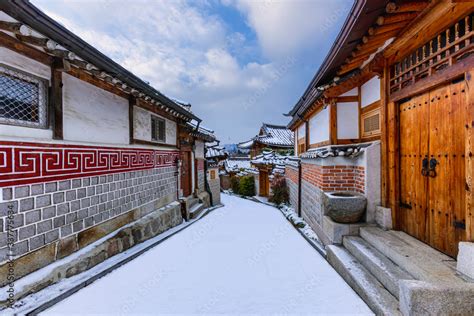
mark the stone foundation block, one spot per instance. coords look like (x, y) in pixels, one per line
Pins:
(335, 231)
(465, 263)
(383, 217)
(421, 298)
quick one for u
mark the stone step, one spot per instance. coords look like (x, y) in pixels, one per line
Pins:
(375, 295)
(420, 260)
(387, 272)
(191, 202)
(196, 210)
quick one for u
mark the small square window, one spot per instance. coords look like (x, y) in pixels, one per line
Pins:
(158, 129)
(23, 98)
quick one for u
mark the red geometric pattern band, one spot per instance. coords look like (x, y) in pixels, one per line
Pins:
(27, 163)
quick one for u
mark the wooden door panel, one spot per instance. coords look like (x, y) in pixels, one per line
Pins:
(447, 146)
(413, 148)
(186, 173)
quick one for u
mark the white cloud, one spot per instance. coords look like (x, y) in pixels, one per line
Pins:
(188, 53)
(285, 28)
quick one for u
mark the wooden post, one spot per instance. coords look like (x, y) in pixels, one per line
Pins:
(384, 92)
(469, 154)
(333, 122)
(306, 140)
(56, 98)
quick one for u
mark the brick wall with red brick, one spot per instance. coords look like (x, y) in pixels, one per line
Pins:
(335, 178)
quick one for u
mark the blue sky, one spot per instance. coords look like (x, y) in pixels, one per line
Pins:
(238, 62)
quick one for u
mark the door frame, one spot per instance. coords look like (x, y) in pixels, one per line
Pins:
(391, 141)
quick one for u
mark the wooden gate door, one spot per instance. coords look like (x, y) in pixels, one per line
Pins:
(263, 183)
(432, 167)
(186, 173)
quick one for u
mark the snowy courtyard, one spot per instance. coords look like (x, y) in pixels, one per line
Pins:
(244, 258)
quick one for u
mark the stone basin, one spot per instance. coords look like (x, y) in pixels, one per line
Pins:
(344, 207)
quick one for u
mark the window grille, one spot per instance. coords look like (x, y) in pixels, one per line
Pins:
(158, 129)
(448, 47)
(23, 98)
(371, 123)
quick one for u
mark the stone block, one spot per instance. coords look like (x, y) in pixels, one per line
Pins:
(465, 262)
(383, 217)
(30, 262)
(43, 200)
(37, 189)
(51, 236)
(27, 232)
(49, 212)
(422, 298)
(21, 192)
(27, 204)
(66, 247)
(334, 231)
(32, 217)
(7, 207)
(36, 242)
(50, 187)
(7, 194)
(44, 226)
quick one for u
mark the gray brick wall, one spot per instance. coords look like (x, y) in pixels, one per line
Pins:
(201, 185)
(293, 190)
(215, 190)
(311, 204)
(50, 211)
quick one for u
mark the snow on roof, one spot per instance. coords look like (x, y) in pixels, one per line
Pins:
(202, 130)
(350, 151)
(271, 135)
(246, 145)
(238, 164)
(270, 158)
(276, 135)
(215, 152)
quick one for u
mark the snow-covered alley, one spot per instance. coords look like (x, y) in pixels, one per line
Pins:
(243, 258)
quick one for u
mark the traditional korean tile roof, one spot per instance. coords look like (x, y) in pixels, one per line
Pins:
(238, 164)
(215, 152)
(350, 151)
(271, 135)
(269, 158)
(200, 131)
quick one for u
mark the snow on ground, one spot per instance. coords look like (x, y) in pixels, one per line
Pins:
(244, 258)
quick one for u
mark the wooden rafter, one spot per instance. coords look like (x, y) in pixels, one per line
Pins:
(415, 6)
(14, 27)
(395, 18)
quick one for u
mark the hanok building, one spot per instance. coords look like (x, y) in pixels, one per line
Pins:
(86, 147)
(215, 156)
(272, 137)
(389, 115)
(268, 164)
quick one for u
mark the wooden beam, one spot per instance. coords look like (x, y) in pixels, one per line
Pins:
(306, 145)
(57, 99)
(37, 41)
(84, 76)
(415, 6)
(14, 27)
(387, 28)
(424, 29)
(380, 37)
(61, 53)
(436, 79)
(333, 121)
(154, 109)
(384, 92)
(25, 50)
(351, 98)
(395, 18)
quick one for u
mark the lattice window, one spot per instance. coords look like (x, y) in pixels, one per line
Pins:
(23, 98)
(371, 123)
(448, 47)
(158, 129)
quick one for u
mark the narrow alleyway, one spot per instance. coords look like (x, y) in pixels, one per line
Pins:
(242, 258)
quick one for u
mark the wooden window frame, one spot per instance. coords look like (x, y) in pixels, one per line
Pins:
(155, 129)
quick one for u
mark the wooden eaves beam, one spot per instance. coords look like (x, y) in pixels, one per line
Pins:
(414, 6)
(395, 18)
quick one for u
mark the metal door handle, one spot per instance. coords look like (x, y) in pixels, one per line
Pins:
(432, 171)
(424, 167)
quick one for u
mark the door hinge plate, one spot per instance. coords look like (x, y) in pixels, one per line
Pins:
(405, 205)
(459, 224)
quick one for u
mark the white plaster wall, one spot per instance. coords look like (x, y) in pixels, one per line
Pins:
(349, 93)
(347, 120)
(319, 127)
(199, 149)
(20, 62)
(142, 126)
(301, 131)
(93, 115)
(370, 92)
